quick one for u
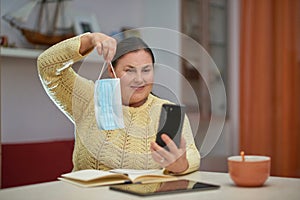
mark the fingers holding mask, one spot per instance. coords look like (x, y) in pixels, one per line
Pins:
(109, 49)
(105, 45)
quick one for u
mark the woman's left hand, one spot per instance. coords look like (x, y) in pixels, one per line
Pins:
(173, 160)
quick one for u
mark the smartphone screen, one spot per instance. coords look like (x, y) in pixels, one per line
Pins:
(170, 122)
(168, 187)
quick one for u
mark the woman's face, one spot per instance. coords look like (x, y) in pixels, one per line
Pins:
(135, 70)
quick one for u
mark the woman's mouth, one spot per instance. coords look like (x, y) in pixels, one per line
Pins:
(138, 88)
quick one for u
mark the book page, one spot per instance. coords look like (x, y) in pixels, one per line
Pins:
(137, 175)
(92, 174)
(93, 183)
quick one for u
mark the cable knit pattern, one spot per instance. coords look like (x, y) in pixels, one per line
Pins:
(99, 149)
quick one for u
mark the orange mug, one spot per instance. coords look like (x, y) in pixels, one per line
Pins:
(250, 170)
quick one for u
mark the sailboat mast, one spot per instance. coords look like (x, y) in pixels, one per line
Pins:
(56, 16)
(41, 12)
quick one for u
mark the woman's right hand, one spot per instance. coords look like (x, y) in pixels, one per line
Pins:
(105, 45)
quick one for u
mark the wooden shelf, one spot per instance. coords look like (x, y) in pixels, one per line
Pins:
(20, 52)
(34, 53)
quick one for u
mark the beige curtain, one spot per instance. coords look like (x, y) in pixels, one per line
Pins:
(270, 82)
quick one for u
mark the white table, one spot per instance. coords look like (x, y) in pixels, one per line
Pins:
(275, 188)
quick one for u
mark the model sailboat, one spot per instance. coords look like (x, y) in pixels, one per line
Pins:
(45, 30)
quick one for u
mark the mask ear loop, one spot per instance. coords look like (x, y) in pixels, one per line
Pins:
(104, 66)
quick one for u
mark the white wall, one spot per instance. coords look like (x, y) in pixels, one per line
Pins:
(27, 114)
(234, 43)
(164, 16)
(112, 14)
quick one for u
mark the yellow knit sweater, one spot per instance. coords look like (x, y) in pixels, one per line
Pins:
(122, 148)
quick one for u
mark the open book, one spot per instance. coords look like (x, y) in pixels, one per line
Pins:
(93, 177)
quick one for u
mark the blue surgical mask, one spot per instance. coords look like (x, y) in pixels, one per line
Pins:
(108, 102)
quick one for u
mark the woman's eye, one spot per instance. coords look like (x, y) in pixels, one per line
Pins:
(129, 70)
(147, 69)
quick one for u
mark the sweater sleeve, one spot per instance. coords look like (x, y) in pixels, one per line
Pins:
(70, 92)
(192, 153)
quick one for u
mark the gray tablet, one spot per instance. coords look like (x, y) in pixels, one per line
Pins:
(168, 187)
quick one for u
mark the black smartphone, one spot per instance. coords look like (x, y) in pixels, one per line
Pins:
(170, 122)
(167, 187)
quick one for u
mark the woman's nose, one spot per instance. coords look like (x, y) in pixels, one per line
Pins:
(138, 77)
